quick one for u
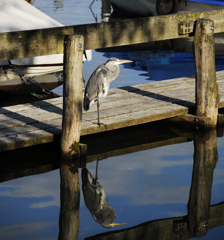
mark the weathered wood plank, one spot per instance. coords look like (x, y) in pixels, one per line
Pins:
(28, 139)
(138, 104)
(134, 118)
(101, 35)
(29, 106)
(135, 91)
(53, 112)
(22, 121)
(29, 128)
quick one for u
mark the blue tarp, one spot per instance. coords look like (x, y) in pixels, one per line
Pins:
(217, 2)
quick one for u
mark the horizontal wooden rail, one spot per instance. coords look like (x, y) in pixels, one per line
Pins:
(14, 45)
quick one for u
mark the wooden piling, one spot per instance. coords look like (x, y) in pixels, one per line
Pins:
(207, 93)
(71, 127)
(72, 96)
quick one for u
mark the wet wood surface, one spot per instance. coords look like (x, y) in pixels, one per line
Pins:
(39, 122)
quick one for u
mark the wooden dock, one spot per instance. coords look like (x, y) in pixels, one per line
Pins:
(40, 122)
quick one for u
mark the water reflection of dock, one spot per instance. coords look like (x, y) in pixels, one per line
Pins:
(171, 228)
(201, 215)
(117, 143)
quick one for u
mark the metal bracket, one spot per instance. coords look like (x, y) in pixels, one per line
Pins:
(180, 226)
(185, 27)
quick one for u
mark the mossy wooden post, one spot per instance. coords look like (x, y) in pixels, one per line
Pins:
(72, 95)
(71, 127)
(207, 93)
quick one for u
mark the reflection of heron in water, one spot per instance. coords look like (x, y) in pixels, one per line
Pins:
(96, 200)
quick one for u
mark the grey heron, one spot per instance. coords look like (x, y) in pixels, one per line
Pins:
(96, 201)
(99, 83)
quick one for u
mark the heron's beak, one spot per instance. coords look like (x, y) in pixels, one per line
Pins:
(124, 61)
(117, 224)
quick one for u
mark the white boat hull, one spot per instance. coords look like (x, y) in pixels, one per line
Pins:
(147, 8)
(18, 15)
(49, 76)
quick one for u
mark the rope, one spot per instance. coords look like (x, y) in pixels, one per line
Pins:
(28, 80)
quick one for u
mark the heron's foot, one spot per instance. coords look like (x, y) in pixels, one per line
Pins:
(99, 123)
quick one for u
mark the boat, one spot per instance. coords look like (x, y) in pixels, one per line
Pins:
(126, 9)
(22, 76)
(147, 8)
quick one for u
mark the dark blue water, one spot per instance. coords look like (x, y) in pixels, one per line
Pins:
(142, 186)
(217, 2)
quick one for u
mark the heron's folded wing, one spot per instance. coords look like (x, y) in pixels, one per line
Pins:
(96, 82)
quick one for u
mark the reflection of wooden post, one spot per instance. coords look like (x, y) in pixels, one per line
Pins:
(207, 93)
(71, 126)
(70, 198)
(205, 158)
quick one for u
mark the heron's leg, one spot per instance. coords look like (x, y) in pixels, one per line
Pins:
(98, 111)
(98, 104)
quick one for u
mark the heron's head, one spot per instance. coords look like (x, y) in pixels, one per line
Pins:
(116, 61)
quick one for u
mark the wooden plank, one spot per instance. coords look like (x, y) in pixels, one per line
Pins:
(11, 132)
(22, 121)
(137, 104)
(44, 132)
(36, 114)
(28, 106)
(101, 35)
(134, 118)
(28, 139)
(135, 91)
(141, 106)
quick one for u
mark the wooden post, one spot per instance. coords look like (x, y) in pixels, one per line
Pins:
(72, 96)
(207, 93)
(71, 127)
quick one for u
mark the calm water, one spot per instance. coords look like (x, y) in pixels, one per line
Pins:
(144, 185)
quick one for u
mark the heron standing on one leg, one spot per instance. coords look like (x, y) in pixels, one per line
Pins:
(99, 83)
